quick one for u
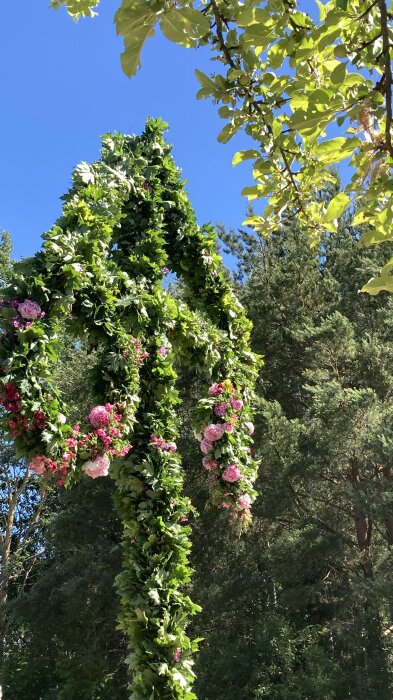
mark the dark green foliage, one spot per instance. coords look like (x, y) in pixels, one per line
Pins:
(301, 607)
(66, 646)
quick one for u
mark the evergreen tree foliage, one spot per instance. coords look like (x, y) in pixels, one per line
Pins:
(301, 607)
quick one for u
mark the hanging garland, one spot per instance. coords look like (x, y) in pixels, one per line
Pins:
(126, 223)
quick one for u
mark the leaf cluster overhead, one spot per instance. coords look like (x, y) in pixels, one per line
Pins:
(311, 85)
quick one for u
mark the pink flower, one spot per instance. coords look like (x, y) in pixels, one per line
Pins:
(177, 654)
(206, 446)
(165, 270)
(244, 501)
(226, 504)
(97, 467)
(209, 463)
(237, 404)
(250, 427)
(163, 351)
(220, 409)
(98, 416)
(231, 474)
(216, 389)
(228, 427)
(38, 465)
(214, 432)
(29, 309)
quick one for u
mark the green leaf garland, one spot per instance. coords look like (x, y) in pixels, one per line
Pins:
(126, 223)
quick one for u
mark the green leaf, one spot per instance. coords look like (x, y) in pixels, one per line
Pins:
(77, 8)
(135, 22)
(337, 149)
(241, 156)
(378, 284)
(337, 206)
(185, 26)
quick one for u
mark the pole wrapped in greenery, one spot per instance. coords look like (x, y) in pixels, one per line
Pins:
(126, 223)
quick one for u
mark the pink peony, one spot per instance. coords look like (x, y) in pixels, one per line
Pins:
(231, 474)
(206, 446)
(209, 463)
(228, 427)
(214, 432)
(37, 465)
(98, 416)
(97, 467)
(220, 409)
(237, 404)
(250, 427)
(244, 501)
(216, 389)
(29, 309)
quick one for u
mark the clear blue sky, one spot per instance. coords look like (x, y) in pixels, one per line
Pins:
(62, 87)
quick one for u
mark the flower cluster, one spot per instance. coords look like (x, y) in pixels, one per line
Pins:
(104, 439)
(160, 444)
(140, 354)
(221, 442)
(27, 312)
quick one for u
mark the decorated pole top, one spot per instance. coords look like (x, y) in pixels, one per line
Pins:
(100, 278)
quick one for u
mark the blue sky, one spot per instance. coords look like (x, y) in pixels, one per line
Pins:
(62, 87)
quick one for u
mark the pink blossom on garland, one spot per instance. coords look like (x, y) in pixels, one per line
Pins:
(216, 389)
(29, 309)
(250, 427)
(177, 655)
(220, 409)
(229, 427)
(38, 465)
(231, 474)
(206, 446)
(98, 416)
(244, 501)
(213, 432)
(97, 467)
(237, 404)
(209, 463)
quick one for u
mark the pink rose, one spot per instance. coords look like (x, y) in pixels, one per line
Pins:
(231, 474)
(250, 427)
(244, 501)
(209, 463)
(206, 446)
(37, 465)
(97, 467)
(228, 427)
(237, 404)
(220, 409)
(216, 389)
(214, 432)
(98, 417)
(29, 309)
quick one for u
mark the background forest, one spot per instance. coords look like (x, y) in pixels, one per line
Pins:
(301, 606)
